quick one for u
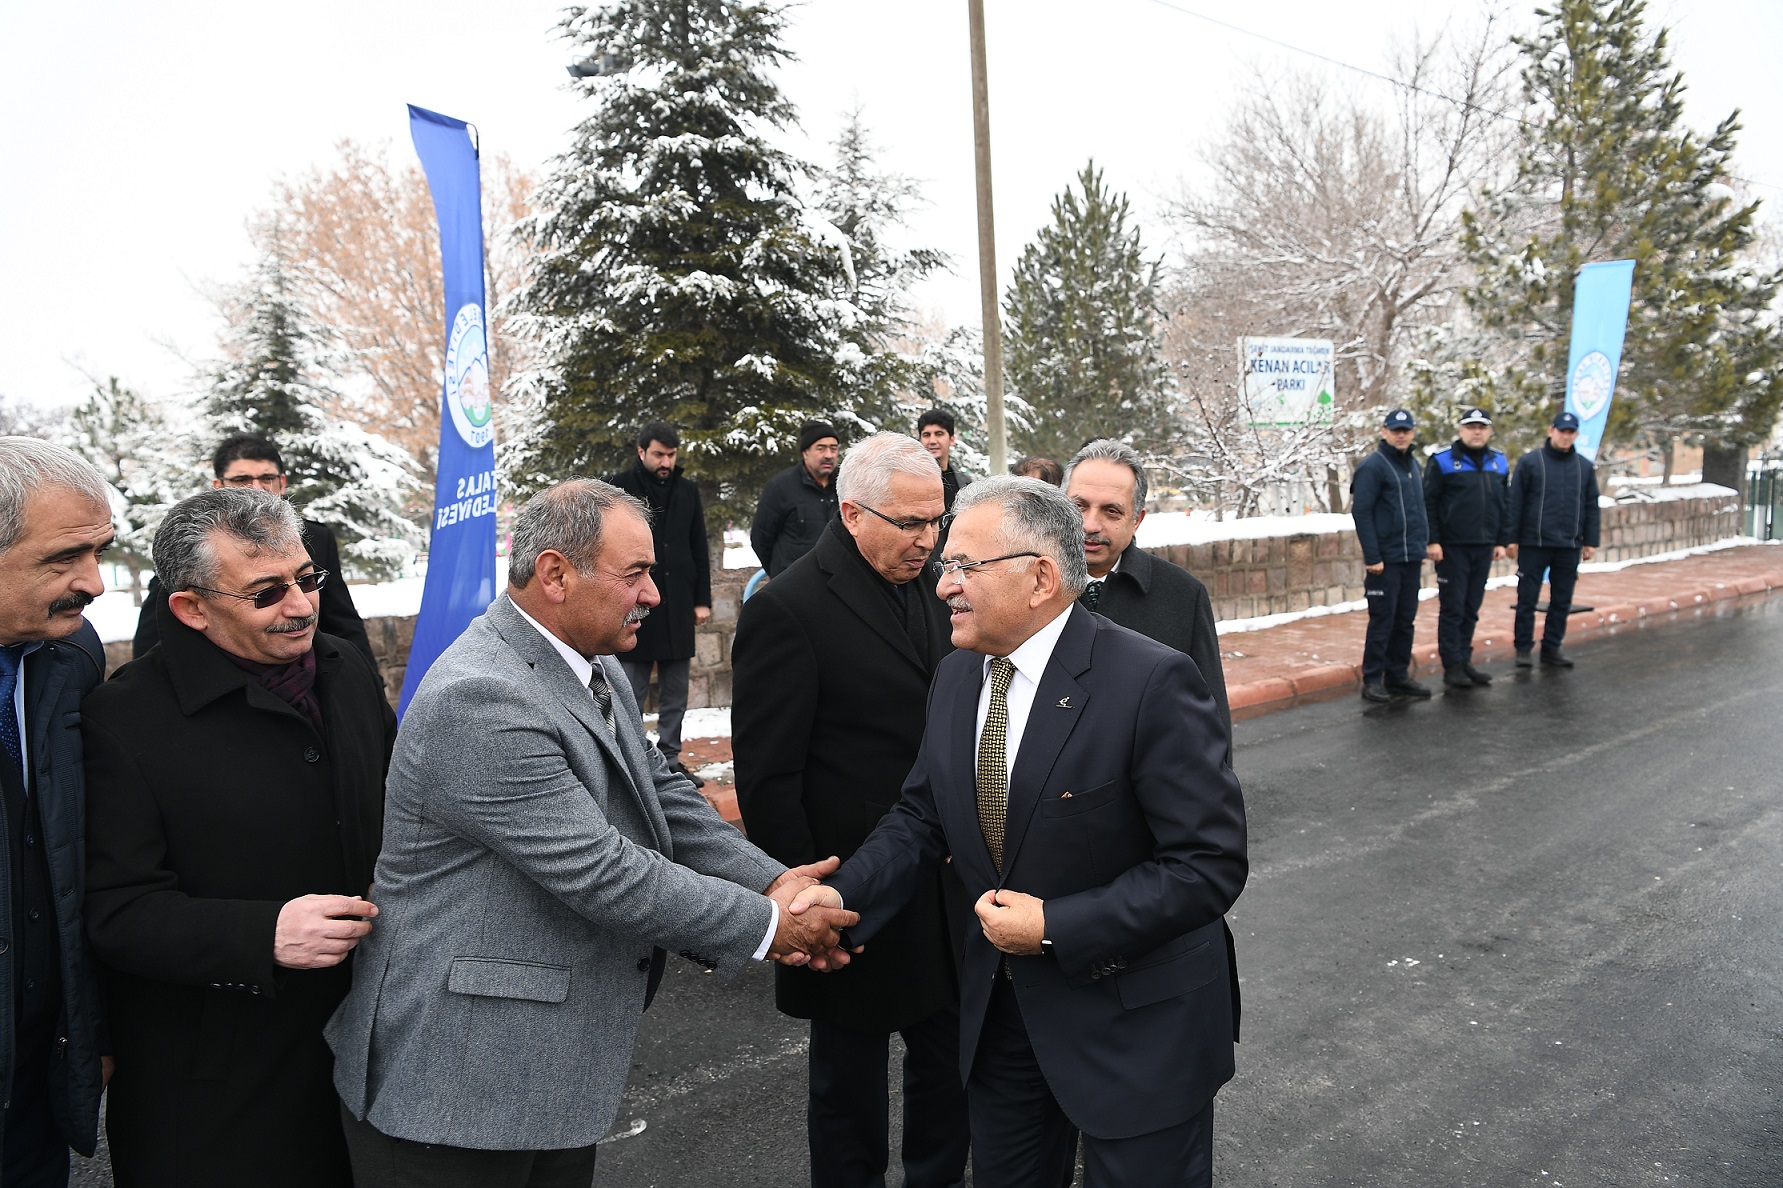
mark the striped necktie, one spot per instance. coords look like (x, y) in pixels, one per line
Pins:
(993, 761)
(603, 697)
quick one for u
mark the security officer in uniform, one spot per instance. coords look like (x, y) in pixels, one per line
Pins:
(1465, 487)
(1387, 504)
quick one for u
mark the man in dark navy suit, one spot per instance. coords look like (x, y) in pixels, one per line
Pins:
(1076, 772)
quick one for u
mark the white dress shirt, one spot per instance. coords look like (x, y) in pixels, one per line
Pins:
(1030, 662)
(584, 670)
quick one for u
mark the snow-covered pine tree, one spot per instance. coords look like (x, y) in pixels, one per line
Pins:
(868, 208)
(1081, 324)
(274, 382)
(148, 458)
(1609, 170)
(680, 276)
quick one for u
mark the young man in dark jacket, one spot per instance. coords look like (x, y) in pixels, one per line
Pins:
(683, 577)
(1464, 496)
(797, 503)
(1553, 519)
(55, 522)
(1387, 503)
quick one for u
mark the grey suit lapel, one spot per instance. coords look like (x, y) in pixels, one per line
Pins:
(551, 670)
(632, 747)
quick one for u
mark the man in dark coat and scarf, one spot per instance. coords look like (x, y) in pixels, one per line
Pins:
(235, 784)
(831, 667)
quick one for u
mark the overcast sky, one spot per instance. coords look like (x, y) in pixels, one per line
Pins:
(138, 138)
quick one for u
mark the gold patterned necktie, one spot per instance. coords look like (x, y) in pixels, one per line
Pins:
(993, 761)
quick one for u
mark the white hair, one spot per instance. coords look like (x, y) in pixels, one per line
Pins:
(29, 465)
(866, 472)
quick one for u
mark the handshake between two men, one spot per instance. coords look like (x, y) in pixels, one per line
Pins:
(812, 919)
(809, 928)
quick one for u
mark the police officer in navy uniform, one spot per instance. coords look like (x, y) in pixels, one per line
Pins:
(1465, 489)
(1387, 503)
(1554, 523)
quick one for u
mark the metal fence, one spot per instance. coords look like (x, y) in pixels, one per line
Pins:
(1764, 497)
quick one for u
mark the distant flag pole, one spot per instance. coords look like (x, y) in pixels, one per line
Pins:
(1600, 320)
(460, 581)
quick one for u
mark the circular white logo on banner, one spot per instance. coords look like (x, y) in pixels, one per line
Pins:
(1593, 381)
(467, 377)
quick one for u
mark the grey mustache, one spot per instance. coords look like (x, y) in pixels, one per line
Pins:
(637, 614)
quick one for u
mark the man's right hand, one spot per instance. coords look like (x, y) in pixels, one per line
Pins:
(317, 931)
(810, 927)
(1377, 567)
(1434, 552)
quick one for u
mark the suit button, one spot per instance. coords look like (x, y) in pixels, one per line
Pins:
(643, 965)
(311, 755)
(4, 944)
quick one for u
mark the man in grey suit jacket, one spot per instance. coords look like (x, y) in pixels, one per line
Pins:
(539, 857)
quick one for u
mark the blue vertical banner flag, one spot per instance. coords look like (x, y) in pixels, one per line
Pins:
(460, 581)
(1600, 319)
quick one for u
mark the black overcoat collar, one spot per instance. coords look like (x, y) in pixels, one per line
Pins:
(202, 673)
(857, 586)
(1137, 564)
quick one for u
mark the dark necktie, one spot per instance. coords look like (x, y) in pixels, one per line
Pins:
(11, 657)
(993, 761)
(603, 697)
(1092, 594)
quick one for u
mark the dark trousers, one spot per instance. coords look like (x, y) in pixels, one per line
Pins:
(1562, 566)
(1392, 614)
(380, 1161)
(1022, 1139)
(671, 698)
(1460, 585)
(33, 1153)
(848, 1115)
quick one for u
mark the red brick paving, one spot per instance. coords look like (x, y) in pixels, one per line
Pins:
(1318, 658)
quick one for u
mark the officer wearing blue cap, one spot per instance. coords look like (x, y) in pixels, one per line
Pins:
(1464, 498)
(1387, 503)
(1554, 524)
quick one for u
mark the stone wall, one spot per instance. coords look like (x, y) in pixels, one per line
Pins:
(1247, 578)
(1275, 575)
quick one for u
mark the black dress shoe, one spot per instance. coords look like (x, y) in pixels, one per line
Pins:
(1376, 693)
(1457, 678)
(1475, 675)
(1524, 659)
(1408, 688)
(1555, 658)
(680, 769)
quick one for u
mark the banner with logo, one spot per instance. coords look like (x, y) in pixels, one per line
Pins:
(461, 548)
(1600, 318)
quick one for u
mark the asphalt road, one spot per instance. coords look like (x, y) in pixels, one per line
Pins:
(1525, 935)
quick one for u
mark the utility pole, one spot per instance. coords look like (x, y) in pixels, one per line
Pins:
(987, 248)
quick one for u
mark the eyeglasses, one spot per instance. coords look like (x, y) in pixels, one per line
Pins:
(959, 569)
(271, 596)
(915, 527)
